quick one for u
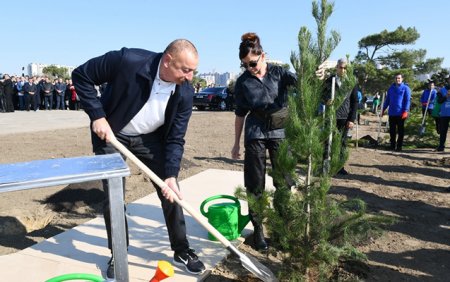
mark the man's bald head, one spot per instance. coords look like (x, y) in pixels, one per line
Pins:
(179, 45)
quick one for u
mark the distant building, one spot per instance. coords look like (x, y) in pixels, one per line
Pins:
(35, 69)
(217, 79)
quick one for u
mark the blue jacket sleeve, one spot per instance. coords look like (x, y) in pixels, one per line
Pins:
(423, 99)
(386, 100)
(406, 100)
(174, 148)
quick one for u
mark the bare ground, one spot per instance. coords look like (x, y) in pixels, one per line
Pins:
(410, 185)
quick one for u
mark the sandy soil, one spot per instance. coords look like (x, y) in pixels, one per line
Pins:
(410, 185)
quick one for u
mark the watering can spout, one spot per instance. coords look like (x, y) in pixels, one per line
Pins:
(243, 221)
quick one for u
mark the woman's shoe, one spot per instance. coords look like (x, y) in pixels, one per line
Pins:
(259, 242)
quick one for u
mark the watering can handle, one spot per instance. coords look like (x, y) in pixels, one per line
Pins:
(212, 198)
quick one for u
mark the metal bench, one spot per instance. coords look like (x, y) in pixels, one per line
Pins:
(53, 172)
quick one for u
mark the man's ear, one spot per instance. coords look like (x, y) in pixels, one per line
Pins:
(167, 58)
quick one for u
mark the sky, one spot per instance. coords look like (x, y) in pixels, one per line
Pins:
(72, 32)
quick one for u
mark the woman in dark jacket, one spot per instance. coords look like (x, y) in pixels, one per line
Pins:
(260, 95)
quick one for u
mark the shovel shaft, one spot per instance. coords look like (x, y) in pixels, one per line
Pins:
(248, 262)
(426, 109)
(380, 117)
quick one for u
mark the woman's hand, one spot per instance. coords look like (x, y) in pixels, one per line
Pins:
(235, 155)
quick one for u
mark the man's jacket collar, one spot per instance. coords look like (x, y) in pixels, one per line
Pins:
(149, 69)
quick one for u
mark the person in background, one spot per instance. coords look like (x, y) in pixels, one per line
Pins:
(398, 99)
(47, 88)
(40, 86)
(67, 95)
(261, 90)
(147, 105)
(375, 103)
(8, 92)
(37, 95)
(74, 102)
(2, 97)
(20, 93)
(346, 113)
(360, 106)
(428, 94)
(60, 89)
(30, 90)
(444, 115)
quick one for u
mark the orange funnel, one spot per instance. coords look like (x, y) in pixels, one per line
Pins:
(164, 270)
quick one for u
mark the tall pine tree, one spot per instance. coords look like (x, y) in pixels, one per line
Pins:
(312, 230)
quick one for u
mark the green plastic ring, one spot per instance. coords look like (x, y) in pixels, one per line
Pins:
(76, 276)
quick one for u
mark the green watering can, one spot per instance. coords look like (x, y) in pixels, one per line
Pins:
(225, 217)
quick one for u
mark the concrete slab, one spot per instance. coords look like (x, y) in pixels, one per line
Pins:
(83, 249)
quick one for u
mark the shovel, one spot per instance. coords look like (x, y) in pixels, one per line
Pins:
(248, 262)
(422, 126)
(379, 120)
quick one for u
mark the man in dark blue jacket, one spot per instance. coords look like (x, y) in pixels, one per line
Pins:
(147, 105)
(398, 99)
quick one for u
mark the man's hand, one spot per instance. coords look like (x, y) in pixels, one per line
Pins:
(171, 190)
(382, 112)
(349, 124)
(320, 72)
(424, 104)
(102, 129)
(404, 115)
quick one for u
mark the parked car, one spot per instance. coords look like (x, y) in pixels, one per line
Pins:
(216, 98)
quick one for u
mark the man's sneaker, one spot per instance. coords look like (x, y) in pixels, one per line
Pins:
(110, 270)
(189, 259)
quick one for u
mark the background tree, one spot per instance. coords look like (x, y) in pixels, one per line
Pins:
(56, 72)
(440, 78)
(197, 82)
(378, 60)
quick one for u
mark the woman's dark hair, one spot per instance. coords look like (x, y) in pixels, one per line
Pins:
(249, 44)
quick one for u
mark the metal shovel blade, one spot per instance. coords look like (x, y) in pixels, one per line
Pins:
(254, 266)
(422, 130)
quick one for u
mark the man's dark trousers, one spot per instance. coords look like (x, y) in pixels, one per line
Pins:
(150, 150)
(396, 123)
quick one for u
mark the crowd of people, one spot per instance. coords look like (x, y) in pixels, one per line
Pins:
(25, 93)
